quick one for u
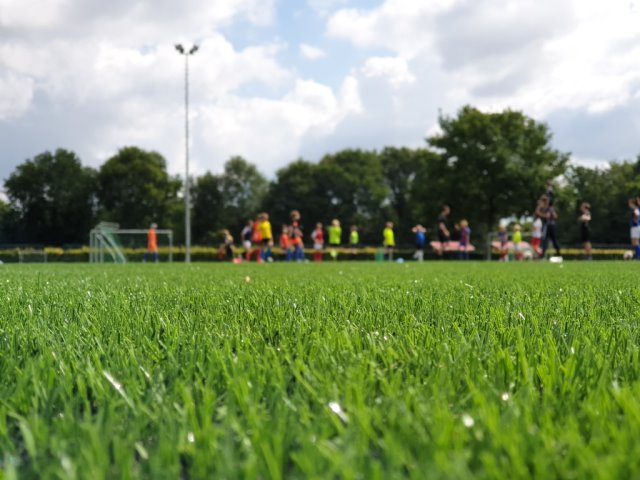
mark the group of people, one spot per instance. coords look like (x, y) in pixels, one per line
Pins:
(258, 241)
(544, 228)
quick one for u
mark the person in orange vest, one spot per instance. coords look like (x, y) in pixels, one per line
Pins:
(152, 243)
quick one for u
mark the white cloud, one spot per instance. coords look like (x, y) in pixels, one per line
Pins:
(395, 69)
(124, 21)
(16, 96)
(310, 52)
(94, 76)
(270, 132)
(538, 55)
(403, 26)
(324, 7)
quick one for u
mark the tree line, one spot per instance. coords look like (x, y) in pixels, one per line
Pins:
(486, 166)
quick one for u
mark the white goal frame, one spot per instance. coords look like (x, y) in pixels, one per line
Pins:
(103, 239)
(32, 252)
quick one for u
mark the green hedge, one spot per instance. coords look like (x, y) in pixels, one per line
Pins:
(210, 254)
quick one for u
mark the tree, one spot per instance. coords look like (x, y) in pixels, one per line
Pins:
(296, 187)
(207, 208)
(243, 190)
(53, 199)
(135, 189)
(607, 190)
(5, 222)
(355, 191)
(402, 169)
(495, 164)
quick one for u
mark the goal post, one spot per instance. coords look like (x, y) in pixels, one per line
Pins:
(29, 255)
(108, 242)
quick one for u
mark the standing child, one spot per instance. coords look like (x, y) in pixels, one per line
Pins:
(285, 242)
(465, 240)
(267, 237)
(227, 244)
(152, 243)
(517, 240)
(335, 238)
(318, 242)
(388, 240)
(421, 239)
(245, 235)
(256, 241)
(354, 241)
(536, 234)
(548, 212)
(503, 238)
(443, 229)
(635, 227)
(585, 228)
(296, 236)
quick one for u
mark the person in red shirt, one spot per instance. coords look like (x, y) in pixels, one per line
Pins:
(318, 242)
(285, 242)
(152, 243)
(256, 240)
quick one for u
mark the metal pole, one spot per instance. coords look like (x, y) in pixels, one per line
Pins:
(187, 189)
(187, 183)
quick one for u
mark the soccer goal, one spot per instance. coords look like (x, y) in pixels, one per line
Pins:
(110, 243)
(29, 255)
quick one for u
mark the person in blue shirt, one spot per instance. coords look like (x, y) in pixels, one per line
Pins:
(421, 239)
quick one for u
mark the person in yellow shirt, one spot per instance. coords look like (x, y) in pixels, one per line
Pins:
(264, 227)
(354, 241)
(335, 238)
(517, 240)
(388, 240)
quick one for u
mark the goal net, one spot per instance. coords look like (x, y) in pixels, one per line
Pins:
(111, 244)
(32, 255)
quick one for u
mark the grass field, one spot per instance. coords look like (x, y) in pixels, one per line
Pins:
(363, 371)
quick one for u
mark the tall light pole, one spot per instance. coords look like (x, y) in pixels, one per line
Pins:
(187, 187)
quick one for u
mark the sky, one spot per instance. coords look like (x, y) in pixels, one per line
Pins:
(278, 80)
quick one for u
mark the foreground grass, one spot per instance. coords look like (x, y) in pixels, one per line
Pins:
(440, 370)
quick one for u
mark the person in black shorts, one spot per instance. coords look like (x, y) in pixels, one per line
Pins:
(443, 229)
(548, 212)
(585, 228)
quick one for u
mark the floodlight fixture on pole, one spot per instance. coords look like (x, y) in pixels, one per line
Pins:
(187, 187)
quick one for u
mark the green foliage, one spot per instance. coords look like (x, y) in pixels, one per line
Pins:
(487, 166)
(135, 189)
(207, 203)
(355, 191)
(243, 189)
(607, 190)
(404, 171)
(320, 371)
(53, 199)
(6, 223)
(495, 164)
(296, 187)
